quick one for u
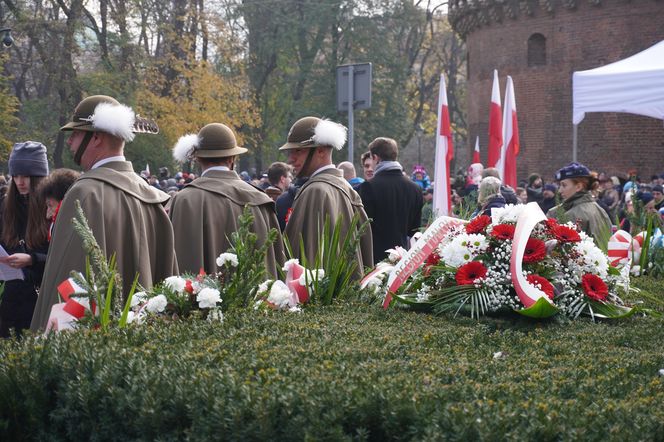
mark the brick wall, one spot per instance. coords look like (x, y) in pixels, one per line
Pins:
(579, 38)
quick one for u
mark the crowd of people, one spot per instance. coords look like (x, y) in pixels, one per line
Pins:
(159, 226)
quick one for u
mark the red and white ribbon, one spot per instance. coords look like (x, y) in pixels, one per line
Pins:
(417, 254)
(528, 219)
(623, 249)
(293, 274)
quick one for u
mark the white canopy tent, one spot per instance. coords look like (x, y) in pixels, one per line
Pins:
(634, 85)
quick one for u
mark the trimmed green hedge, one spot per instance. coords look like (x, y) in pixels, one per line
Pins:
(341, 372)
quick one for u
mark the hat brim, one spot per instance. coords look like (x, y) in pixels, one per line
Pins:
(73, 125)
(291, 146)
(220, 153)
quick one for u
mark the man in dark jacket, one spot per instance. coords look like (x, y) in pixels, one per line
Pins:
(391, 200)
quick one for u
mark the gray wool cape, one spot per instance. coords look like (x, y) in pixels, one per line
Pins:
(327, 194)
(205, 213)
(127, 218)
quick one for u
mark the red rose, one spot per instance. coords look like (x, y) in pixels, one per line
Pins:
(543, 284)
(535, 250)
(594, 287)
(566, 234)
(503, 231)
(468, 273)
(478, 224)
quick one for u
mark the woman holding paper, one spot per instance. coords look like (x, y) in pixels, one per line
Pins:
(23, 236)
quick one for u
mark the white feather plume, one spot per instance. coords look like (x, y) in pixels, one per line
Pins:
(116, 119)
(184, 148)
(330, 133)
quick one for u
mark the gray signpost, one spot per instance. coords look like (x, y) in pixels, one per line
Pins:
(353, 92)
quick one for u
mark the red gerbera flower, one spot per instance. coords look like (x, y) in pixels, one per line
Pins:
(594, 287)
(468, 273)
(478, 224)
(566, 234)
(535, 250)
(551, 223)
(503, 231)
(543, 284)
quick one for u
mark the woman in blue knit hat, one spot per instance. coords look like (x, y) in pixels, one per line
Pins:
(23, 235)
(579, 206)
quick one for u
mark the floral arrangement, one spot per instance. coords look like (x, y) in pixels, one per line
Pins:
(475, 266)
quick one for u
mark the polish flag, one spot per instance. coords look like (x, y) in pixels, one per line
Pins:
(495, 124)
(476, 153)
(510, 149)
(442, 201)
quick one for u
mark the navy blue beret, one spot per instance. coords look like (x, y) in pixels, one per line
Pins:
(572, 170)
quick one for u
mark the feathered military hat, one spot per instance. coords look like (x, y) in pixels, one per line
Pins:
(315, 132)
(215, 140)
(101, 113)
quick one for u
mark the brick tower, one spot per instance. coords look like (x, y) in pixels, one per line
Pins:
(540, 43)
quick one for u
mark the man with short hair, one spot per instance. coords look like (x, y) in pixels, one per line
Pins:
(126, 214)
(658, 195)
(348, 170)
(392, 201)
(367, 165)
(205, 212)
(326, 195)
(280, 177)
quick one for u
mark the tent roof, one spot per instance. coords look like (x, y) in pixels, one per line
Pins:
(634, 85)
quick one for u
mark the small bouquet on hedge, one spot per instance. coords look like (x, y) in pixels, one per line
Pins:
(207, 296)
(535, 266)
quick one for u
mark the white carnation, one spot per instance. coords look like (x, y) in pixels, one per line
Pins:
(281, 296)
(227, 258)
(175, 283)
(508, 214)
(138, 298)
(290, 263)
(396, 254)
(157, 304)
(208, 298)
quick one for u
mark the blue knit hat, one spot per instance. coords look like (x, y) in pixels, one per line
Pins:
(28, 159)
(572, 170)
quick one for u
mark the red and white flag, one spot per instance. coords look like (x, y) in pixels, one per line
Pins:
(442, 201)
(495, 124)
(476, 153)
(510, 148)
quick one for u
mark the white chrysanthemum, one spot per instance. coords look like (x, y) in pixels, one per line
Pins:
(157, 304)
(464, 248)
(215, 315)
(138, 298)
(280, 296)
(227, 258)
(175, 283)
(208, 298)
(311, 276)
(508, 214)
(290, 263)
(396, 254)
(591, 258)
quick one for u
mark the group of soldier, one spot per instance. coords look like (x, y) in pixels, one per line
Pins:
(127, 216)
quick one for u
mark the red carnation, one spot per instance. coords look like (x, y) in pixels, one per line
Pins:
(503, 231)
(535, 250)
(594, 287)
(478, 224)
(433, 259)
(543, 284)
(468, 273)
(566, 234)
(188, 286)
